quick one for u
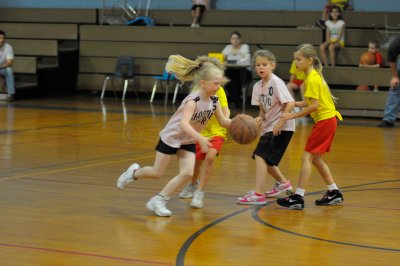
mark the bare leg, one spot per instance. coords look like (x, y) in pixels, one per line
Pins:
(332, 52)
(276, 174)
(261, 174)
(291, 87)
(197, 169)
(324, 57)
(207, 168)
(305, 170)
(323, 169)
(186, 168)
(157, 170)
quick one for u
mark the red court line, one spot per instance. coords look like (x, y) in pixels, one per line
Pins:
(84, 254)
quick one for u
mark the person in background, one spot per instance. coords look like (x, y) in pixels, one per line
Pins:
(296, 81)
(236, 54)
(6, 62)
(198, 8)
(335, 27)
(342, 4)
(392, 107)
(373, 48)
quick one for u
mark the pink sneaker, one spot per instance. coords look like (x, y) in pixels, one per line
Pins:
(252, 199)
(278, 189)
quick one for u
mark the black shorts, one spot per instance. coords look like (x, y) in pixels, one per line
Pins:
(272, 148)
(166, 149)
(202, 8)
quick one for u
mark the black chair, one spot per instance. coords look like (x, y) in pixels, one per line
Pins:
(124, 69)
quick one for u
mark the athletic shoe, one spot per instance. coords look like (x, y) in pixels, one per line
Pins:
(294, 202)
(157, 204)
(331, 197)
(128, 176)
(278, 189)
(187, 192)
(386, 124)
(197, 201)
(252, 199)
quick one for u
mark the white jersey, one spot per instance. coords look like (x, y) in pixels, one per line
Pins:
(271, 97)
(335, 28)
(173, 134)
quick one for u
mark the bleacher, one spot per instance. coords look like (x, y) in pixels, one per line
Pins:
(277, 31)
(44, 41)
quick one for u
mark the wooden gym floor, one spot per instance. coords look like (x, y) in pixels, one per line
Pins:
(60, 158)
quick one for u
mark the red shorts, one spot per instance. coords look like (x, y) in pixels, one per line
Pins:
(216, 142)
(298, 82)
(321, 137)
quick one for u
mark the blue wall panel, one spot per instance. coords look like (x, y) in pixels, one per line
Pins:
(360, 5)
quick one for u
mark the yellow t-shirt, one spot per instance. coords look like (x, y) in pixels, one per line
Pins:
(299, 74)
(340, 3)
(316, 88)
(213, 128)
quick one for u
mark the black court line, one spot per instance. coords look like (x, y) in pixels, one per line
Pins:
(180, 259)
(259, 220)
(186, 245)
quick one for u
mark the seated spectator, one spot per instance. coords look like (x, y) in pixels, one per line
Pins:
(198, 8)
(6, 61)
(373, 48)
(342, 4)
(238, 69)
(335, 27)
(296, 81)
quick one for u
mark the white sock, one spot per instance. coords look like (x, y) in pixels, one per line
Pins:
(332, 187)
(300, 191)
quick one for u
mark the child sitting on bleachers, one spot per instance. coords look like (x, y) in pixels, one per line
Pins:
(375, 62)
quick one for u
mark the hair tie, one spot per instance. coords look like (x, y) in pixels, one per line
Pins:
(198, 66)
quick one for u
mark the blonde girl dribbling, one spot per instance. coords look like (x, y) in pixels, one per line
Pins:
(182, 130)
(319, 103)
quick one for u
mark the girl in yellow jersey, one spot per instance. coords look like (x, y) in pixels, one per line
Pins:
(319, 103)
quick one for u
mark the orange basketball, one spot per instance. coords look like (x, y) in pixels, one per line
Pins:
(243, 129)
(367, 58)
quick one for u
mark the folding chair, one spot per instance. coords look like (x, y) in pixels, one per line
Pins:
(124, 69)
(167, 78)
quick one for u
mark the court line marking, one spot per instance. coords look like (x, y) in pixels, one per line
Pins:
(92, 255)
(186, 245)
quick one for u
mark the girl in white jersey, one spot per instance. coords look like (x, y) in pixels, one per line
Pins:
(335, 28)
(182, 130)
(274, 99)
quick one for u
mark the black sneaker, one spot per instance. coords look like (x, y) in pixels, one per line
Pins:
(294, 202)
(386, 124)
(331, 197)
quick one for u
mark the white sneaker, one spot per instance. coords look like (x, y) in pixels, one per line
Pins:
(197, 201)
(187, 192)
(127, 177)
(157, 204)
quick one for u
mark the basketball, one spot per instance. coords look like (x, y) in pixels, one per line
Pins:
(243, 129)
(367, 58)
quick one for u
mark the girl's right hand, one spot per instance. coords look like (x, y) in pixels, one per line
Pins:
(205, 144)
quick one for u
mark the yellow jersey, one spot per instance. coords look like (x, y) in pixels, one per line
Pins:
(213, 128)
(316, 88)
(299, 74)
